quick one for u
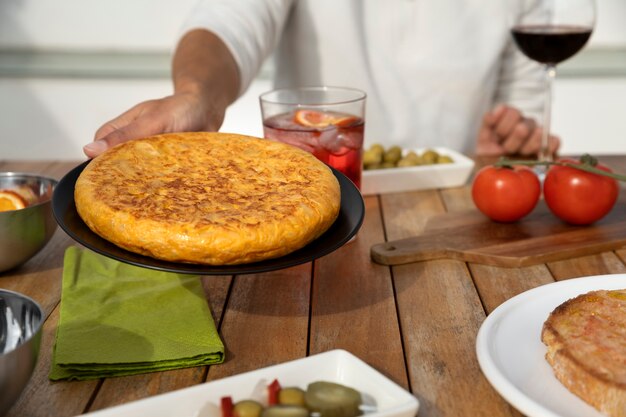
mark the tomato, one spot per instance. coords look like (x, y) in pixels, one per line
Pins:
(579, 197)
(506, 194)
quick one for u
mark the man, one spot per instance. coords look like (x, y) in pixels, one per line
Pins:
(435, 72)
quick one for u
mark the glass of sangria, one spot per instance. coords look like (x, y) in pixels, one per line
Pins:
(325, 121)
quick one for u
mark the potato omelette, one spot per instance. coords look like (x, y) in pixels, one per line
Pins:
(207, 198)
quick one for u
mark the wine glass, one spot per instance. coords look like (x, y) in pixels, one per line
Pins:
(554, 32)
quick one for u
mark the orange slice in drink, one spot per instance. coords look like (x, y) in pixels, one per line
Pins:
(313, 118)
(10, 200)
(345, 121)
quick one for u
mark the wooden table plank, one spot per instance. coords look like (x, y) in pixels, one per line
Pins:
(600, 264)
(266, 320)
(353, 306)
(440, 313)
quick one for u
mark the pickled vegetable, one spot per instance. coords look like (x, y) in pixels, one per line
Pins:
(285, 411)
(291, 396)
(332, 400)
(247, 408)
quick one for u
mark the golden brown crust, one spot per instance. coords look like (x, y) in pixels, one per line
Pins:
(209, 198)
(586, 340)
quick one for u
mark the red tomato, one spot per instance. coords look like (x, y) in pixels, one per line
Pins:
(579, 197)
(506, 194)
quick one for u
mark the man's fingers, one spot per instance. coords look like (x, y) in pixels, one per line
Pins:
(140, 128)
(513, 143)
(554, 143)
(487, 143)
(491, 118)
(509, 119)
(533, 144)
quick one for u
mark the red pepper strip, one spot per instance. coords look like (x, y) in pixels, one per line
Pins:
(227, 406)
(272, 392)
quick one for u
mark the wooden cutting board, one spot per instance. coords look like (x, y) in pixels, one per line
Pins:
(538, 238)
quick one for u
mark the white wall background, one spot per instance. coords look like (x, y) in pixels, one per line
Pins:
(53, 117)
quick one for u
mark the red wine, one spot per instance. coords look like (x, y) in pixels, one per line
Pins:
(550, 44)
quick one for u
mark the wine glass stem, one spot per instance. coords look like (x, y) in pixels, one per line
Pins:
(544, 152)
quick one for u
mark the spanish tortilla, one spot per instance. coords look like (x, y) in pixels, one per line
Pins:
(207, 198)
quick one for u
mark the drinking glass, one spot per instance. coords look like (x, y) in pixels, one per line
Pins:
(554, 33)
(325, 121)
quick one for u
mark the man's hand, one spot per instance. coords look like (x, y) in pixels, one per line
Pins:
(505, 131)
(206, 82)
(177, 113)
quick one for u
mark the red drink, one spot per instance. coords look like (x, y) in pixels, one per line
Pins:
(334, 138)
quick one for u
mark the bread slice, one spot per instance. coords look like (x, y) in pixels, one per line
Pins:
(586, 340)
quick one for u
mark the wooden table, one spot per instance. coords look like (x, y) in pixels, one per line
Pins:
(415, 323)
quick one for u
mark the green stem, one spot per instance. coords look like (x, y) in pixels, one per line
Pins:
(583, 166)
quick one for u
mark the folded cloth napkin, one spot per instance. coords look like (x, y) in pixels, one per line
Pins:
(118, 319)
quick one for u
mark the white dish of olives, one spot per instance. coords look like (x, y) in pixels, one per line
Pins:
(380, 397)
(396, 170)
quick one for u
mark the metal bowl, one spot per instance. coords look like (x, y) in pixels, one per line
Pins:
(21, 319)
(26, 231)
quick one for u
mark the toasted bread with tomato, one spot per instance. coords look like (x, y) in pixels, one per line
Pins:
(586, 340)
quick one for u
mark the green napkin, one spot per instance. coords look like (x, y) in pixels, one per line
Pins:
(118, 319)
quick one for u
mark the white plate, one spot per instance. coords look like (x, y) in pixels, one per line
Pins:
(338, 366)
(512, 356)
(423, 177)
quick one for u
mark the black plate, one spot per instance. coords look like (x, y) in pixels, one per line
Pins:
(345, 227)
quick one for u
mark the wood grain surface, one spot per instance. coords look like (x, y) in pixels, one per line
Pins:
(416, 323)
(538, 238)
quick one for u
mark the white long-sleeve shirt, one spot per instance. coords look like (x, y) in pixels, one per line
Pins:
(430, 68)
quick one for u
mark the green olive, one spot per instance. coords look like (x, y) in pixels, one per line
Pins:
(386, 165)
(247, 408)
(407, 162)
(444, 159)
(378, 148)
(430, 157)
(392, 154)
(372, 157)
(291, 396)
(371, 166)
(412, 156)
(332, 400)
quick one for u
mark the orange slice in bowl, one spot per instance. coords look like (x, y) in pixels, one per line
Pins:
(10, 200)
(27, 194)
(313, 118)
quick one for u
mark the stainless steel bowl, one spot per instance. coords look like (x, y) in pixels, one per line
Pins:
(24, 232)
(21, 319)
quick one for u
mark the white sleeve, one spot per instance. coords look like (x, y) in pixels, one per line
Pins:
(521, 81)
(250, 29)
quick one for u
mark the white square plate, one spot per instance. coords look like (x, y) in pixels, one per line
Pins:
(423, 177)
(389, 399)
